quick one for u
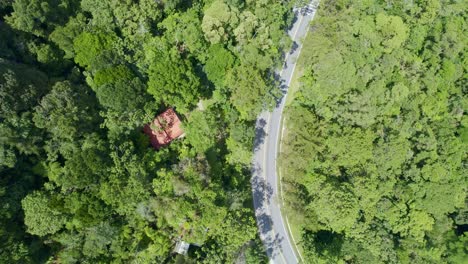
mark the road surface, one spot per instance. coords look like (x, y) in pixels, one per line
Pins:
(265, 184)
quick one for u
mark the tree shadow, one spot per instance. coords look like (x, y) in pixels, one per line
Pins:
(270, 240)
(262, 191)
(283, 90)
(309, 9)
(260, 133)
(262, 194)
(293, 21)
(207, 87)
(294, 47)
(275, 241)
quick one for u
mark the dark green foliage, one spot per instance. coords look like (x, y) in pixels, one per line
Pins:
(254, 253)
(16, 245)
(117, 88)
(40, 17)
(21, 87)
(172, 80)
(79, 181)
(376, 160)
(67, 112)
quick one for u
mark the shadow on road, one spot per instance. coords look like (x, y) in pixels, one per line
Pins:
(262, 191)
(262, 194)
(260, 134)
(271, 241)
(268, 215)
(293, 21)
(294, 47)
(283, 89)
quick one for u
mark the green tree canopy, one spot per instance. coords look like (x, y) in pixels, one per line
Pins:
(218, 63)
(67, 112)
(41, 215)
(172, 81)
(372, 153)
(40, 17)
(90, 46)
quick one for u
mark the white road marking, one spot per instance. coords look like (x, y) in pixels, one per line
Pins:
(282, 124)
(279, 136)
(276, 145)
(290, 232)
(266, 148)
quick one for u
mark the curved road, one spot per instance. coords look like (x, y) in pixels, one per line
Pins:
(265, 186)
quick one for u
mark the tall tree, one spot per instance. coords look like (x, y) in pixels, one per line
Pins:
(172, 81)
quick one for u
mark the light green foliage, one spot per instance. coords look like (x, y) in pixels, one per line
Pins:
(232, 232)
(240, 144)
(373, 148)
(40, 216)
(133, 21)
(218, 20)
(247, 27)
(89, 46)
(331, 201)
(125, 186)
(218, 63)
(393, 30)
(262, 33)
(97, 239)
(202, 130)
(63, 36)
(132, 18)
(249, 91)
(184, 31)
(353, 148)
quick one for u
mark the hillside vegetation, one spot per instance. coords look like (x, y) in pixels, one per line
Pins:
(375, 152)
(78, 81)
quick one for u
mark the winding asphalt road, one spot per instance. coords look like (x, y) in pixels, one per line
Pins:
(265, 184)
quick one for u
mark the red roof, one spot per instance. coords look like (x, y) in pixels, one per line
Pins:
(165, 128)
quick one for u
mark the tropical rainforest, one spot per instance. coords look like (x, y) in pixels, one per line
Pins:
(79, 79)
(376, 139)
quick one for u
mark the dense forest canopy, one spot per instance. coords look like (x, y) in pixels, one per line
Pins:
(376, 144)
(78, 81)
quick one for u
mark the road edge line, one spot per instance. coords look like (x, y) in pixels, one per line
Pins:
(281, 140)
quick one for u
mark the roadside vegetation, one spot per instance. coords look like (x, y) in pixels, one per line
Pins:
(79, 80)
(374, 157)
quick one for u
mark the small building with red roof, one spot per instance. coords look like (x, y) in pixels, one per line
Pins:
(165, 128)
